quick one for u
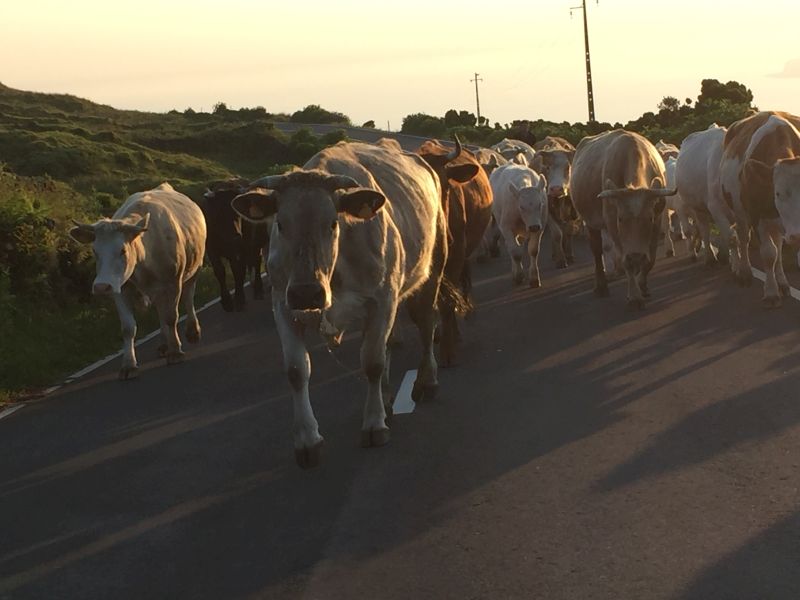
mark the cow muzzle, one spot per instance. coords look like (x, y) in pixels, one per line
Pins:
(556, 192)
(102, 289)
(306, 296)
(534, 228)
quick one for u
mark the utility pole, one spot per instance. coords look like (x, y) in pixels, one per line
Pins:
(477, 98)
(589, 91)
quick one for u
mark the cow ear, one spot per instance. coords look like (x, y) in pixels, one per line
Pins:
(542, 185)
(757, 170)
(361, 203)
(82, 232)
(462, 173)
(257, 205)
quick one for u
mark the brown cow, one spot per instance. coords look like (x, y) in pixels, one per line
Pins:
(617, 185)
(467, 204)
(751, 148)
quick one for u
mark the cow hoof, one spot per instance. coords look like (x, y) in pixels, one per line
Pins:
(388, 406)
(561, 264)
(422, 392)
(162, 351)
(771, 302)
(126, 373)
(535, 283)
(174, 358)
(193, 334)
(375, 438)
(601, 291)
(636, 303)
(308, 458)
(670, 253)
(516, 279)
(227, 303)
(785, 290)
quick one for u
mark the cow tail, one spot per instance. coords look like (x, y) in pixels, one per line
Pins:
(452, 296)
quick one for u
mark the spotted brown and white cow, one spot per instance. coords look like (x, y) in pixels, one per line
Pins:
(752, 148)
(155, 241)
(618, 185)
(358, 230)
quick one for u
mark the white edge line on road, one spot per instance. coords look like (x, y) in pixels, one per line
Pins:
(761, 276)
(10, 410)
(403, 404)
(139, 342)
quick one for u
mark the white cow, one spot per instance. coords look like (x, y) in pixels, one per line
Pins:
(156, 241)
(675, 206)
(697, 176)
(515, 151)
(521, 211)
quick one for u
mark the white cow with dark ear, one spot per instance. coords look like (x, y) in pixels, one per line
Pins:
(155, 241)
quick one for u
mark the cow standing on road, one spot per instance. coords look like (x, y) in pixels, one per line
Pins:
(751, 149)
(617, 185)
(154, 241)
(358, 230)
(467, 205)
(553, 159)
(238, 241)
(522, 213)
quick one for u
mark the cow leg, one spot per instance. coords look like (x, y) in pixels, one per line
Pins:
(704, 227)
(258, 284)
(600, 282)
(770, 234)
(239, 268)
(744, 271)
(187, 299)
(727, 246)
(167, 306)
(219, 273)
(515, 253)
(307, 440)
(669, 245)
(534, 243)
(380, 320)
(567, 247)
(558, 243)
(130, 368)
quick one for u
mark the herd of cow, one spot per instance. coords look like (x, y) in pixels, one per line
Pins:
(362, 228)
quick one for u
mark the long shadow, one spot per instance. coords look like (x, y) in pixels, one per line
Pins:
(765, 567)
(190, 482)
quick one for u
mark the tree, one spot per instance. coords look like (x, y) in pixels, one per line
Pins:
(220, 108)
(314, 114)
(424, 125)
(712, 90)
(669, 104)
(369, 124)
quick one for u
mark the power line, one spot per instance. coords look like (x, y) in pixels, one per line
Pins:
(477, 98)
(589, 90)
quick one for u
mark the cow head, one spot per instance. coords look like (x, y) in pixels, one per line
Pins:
(532, 202)
(451, 166)
(786, 183)
(309, 207)
(117, 247)
(224, 224)
(556, 165)
(633, 214)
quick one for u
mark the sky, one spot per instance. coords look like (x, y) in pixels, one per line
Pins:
(384, 60)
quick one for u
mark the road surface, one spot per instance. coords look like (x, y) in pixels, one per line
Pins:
(579, 450)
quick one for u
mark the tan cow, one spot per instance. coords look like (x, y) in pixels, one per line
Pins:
(752, 202)
(667, 150)
(618, 185)
(155, 241)
(515, 151)
(358, 230)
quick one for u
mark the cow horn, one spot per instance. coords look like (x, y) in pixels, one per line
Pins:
(658, 192)
(84, 226)
(269, 182)
(456, 152)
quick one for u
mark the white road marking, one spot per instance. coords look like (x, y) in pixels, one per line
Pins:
(10, 410)
(403, 404)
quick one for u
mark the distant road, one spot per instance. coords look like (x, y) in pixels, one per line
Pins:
(408, 142)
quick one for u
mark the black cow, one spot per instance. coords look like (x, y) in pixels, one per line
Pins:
(231, 237)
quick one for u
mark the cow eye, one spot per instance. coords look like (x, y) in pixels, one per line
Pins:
(334, 224)
(280, 227)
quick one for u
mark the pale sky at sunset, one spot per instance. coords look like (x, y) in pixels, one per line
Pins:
(382, 61)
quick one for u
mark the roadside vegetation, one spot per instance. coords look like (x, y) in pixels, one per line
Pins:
(63, 158)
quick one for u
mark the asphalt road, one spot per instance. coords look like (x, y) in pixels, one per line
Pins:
(578, 451)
